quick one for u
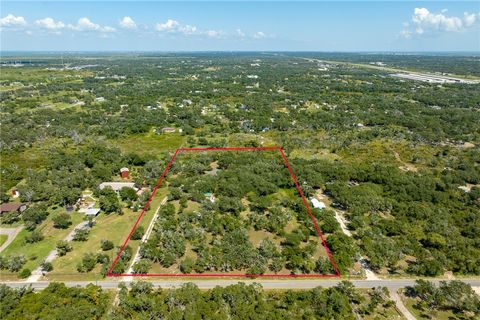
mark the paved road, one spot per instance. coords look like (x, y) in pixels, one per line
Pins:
(11, 233)
(393, 284)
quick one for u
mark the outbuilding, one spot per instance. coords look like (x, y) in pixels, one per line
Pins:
(93, 212)
(317, 204)
(12, 206)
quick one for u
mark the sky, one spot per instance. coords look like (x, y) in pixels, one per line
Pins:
(240, 26)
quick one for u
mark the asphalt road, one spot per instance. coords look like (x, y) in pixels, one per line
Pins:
(267, 284)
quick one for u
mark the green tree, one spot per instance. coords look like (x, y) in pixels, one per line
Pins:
(63, 247)
(62, 221)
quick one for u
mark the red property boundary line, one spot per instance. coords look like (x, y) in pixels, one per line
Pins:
(305, 202)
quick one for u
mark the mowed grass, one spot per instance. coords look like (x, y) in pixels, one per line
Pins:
(3, 239)
(150, 143)
(36, 252)
(113, 227)
(430, 314)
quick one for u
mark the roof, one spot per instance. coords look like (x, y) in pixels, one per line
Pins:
(123, 169)
(92, 211)
(317, 204)
(116, 186)
(12, 206)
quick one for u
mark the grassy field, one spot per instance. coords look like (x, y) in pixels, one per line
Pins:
(113, 227)
(150, 143)
(381, 312)
(36, 252)
(430, 314)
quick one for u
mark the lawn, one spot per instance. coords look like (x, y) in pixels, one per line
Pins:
(3, 238)
(36, 252)
(113, 227)
(430, 314)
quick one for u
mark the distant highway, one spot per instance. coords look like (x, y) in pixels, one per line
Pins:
(394, 284)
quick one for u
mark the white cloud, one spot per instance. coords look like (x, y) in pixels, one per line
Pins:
(108, 29)
(259, 35)
(214, 33)
(470, 18)
(50, 24)
(12, 21)
(128, 23)
(169, 26)
(240, 33)
(85, 24)
(425, 22)
(174, 27)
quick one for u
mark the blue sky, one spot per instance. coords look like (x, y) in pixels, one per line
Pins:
(230, 25)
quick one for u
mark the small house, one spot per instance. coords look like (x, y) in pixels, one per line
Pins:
(11, 207)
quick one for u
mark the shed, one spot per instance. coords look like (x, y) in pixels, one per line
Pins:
(124, 172)
(92, 212)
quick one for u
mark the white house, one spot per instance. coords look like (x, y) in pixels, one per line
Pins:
(317, 204)
(117, 186)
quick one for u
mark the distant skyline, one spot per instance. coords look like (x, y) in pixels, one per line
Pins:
(240, 26)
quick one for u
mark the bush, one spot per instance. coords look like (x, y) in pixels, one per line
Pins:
(62, 221)
(81, 234)
(88, 262)
(102, 258)
(63, 247)
(46, 266)
(106, 245)
(25, 273)
(138, 233)
(141, 267)
(34, 236)
(186, 266)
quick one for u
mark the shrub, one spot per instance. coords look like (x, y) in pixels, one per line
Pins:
(34, 236)
(63, 247)
(81, 234)
(46, 266)
(187, 265)
(138, 233)
(25, 273)
(141, 266)
(106, 245)
(88, 262)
